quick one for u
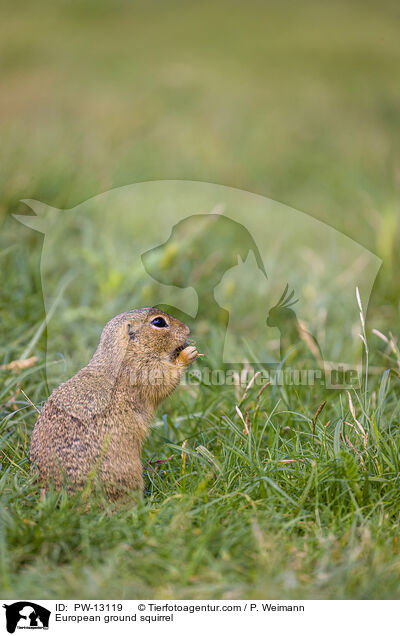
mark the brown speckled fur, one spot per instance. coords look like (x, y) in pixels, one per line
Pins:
(94, 424)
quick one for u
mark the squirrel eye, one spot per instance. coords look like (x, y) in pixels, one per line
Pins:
(159, 322)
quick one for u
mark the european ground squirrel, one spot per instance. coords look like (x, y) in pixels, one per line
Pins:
(94, 424)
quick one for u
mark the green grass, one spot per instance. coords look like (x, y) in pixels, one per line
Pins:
(296, 101)
(297, 508)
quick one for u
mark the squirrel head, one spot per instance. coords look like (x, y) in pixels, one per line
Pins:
(137, 337)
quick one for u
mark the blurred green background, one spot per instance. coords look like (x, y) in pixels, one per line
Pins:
(297, 101)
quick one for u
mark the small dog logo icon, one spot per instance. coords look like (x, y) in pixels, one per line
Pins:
(26, 615)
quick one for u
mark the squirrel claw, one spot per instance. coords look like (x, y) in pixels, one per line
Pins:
(186, 356)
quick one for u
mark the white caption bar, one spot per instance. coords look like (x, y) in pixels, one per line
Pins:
(177, 617)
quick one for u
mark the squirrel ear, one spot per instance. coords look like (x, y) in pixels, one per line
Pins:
(131, 332)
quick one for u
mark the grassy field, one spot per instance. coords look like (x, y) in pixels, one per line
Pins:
(295, 101)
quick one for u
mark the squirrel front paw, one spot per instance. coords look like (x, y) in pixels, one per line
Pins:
(186, 356)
